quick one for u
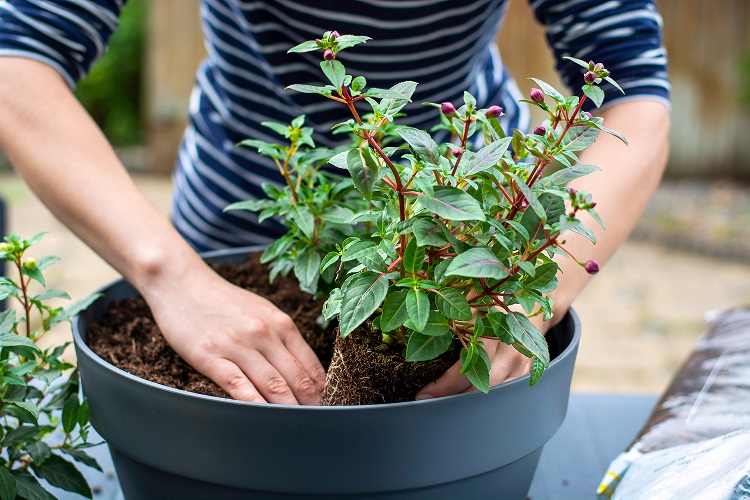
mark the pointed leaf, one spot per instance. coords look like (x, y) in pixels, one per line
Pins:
(306, 269)
(391, 106)
(303, 219)
(477, 263)
(28, 487)
(485, 158)
(364, 170)
(307, 46)
(421, 143)
(436, 325)
(453, 304)
(529, 195)
(453, 204)
(13, 340)
(394, 311)
(418, 306)
(413, 257)
(425, 347)
(428, 233)
(544, 278)
(7, 484)
(537, 370)
(476, 370)
(526, 334)
(39, 451)
(362, 294)
(83, 457)
(549, 90)
(63, 474)
(582, 141)
(335, 73)
(594, 93)
(564, 176)
(7, 322)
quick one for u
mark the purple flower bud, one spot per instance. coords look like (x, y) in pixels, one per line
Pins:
(592, 204)
(335, 35)
(540, 130)
(591, 266)
(572, 193)
(448, 109)
(493, 111)
(536, 95)
(589, 77)
(587, 115)
(598, 67)
(458, 152)
(592, 65)
(328, 55)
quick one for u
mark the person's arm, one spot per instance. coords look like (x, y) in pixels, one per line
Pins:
(238, 339)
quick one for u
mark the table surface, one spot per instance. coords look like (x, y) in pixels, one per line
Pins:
(596, 429)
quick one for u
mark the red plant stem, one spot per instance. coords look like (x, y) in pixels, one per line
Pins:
(464, 138)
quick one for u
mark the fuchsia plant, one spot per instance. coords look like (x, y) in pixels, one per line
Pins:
(436, 245)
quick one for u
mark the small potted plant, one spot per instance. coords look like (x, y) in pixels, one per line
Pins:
(433, 246)
(44, 425)
(423, 249)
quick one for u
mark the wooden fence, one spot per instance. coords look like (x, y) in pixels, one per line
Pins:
(706, 41)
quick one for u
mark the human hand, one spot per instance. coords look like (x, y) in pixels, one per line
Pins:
(239, 340)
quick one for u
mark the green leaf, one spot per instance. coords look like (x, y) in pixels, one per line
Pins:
(81, 305)
(303, 219)
(453, 304)
(428, 233)
(478, 262)
(82, 457)
(549, 90)
(372, 260)
(308, 46)
(485, 158)
(13, 340)
(582, 141)
(436, 325)
(534, 203)
(425, 347)
(70, 413)
(564, 176)
(391, 106)
(20, 435)
(39, 451)
(594, 93)
(311, 89)
(476, 370)
(364, 170)
(306, 269)
(63, 474)
(362, 294)
(45, 262)
(23, 411)
(7, 484)
(453, 204)
(52, 293)
(394, 311)
(537, 370)
(357, 249)
(346, 41)
(28, 487)
(7, 322)
(251, 205)
(335, 73)
(421, 143)
(330, 259)
(544, 280)
(340, 160)
(34, 273)
(413, 257)
(383, 94)
(525, 333)
(418, 305)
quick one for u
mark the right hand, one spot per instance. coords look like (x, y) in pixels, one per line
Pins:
(239, 340)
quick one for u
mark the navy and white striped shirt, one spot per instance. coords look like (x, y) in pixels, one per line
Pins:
(445, 45)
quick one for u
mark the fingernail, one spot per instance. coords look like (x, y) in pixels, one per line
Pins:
(423, 396)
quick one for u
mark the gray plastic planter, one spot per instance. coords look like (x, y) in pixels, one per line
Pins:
(168, 443)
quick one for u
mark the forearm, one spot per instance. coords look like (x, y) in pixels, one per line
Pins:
(66, 160)
(628, 178)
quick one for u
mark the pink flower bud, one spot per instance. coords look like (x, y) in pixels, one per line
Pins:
(493, 111)
(335, 35)
(591, 266)
(598, 67)
(587, 115)
(448, 109)
(536, 95)
(592, 65)
(540, 130)
(328, 55)
(458, 152)
(592, 204)
(589, 77)
(572, 193)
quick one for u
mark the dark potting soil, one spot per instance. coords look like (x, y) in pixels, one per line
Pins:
(127, 335)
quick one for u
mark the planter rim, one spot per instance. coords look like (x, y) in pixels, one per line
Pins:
(83, 346)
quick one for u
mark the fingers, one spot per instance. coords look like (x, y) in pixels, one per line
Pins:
(507, 364)
(297, 381)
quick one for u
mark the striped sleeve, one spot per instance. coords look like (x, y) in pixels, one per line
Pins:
(69, 35)
(624, 35)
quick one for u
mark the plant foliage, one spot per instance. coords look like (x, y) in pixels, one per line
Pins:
(441, 244)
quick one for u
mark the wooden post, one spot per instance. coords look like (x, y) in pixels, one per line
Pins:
(175, 48)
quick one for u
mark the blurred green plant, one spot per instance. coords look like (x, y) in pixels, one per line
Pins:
(112, 91)
(745, 80)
